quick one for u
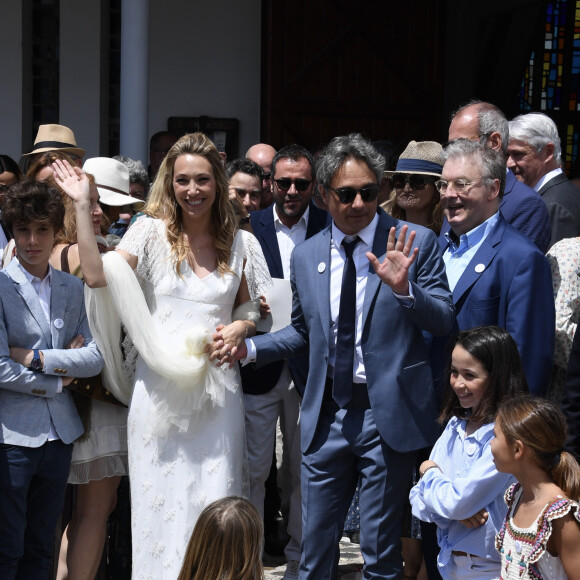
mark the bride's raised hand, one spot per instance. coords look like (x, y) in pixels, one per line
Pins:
(72, 180)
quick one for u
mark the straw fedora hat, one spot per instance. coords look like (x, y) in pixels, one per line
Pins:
(424, 157)
(56, 137)
(111, 179)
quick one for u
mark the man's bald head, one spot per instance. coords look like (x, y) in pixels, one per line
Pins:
(480, 121)
(262, 154)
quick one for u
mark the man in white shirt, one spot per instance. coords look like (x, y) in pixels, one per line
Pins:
(275, 390)
(369, 402)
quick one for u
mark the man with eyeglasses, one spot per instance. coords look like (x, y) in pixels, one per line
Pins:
(369, 402)
(520, 205)
(272, 392)
(262, 154)
(497, 275)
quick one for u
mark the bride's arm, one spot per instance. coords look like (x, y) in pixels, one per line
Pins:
(74, 182)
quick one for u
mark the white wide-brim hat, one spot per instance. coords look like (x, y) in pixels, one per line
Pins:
(111, 179)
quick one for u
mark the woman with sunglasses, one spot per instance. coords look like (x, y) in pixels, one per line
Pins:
(416, 198)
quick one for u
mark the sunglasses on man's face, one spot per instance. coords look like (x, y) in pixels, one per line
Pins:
(348, 194)
(415, 181)
(285, 183)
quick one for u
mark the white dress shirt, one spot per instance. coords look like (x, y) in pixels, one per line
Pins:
(337, 263)
(288, 238)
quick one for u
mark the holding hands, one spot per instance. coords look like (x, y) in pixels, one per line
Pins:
(228, 343)
(394, 271)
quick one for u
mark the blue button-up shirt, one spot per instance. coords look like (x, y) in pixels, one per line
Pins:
(459, 252)
(466, 483)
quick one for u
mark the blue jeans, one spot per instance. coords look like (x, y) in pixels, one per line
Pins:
(32, 486)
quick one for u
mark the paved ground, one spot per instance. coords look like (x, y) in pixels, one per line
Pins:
(349, 566)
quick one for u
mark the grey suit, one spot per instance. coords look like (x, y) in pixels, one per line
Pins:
(34, 466)
(28, 400)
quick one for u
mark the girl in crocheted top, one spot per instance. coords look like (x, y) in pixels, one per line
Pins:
(540, 537)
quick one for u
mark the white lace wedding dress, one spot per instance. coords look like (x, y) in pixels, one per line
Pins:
(176, 471)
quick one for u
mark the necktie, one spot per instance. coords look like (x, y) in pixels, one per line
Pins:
(345, 338)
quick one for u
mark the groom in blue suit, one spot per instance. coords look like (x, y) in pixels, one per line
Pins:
(369, 402)
(45, 342)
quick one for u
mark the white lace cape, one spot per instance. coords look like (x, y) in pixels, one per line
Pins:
(194, 379)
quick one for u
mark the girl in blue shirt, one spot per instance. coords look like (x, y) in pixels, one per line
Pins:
(460, 489)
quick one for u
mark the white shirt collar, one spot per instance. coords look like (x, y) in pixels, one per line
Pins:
(303, 218)
(547, 177)
(367, 234)
(30, 277)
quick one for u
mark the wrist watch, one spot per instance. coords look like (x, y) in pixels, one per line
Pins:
(36, 363)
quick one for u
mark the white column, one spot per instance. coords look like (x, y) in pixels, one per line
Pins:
(134, 138)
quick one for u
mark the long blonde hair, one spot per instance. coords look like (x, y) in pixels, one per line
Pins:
(226, 543)
(163, 205)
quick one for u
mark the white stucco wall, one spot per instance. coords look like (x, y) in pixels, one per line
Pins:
(205, 60)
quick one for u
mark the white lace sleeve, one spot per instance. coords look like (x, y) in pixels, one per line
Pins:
(256, 269)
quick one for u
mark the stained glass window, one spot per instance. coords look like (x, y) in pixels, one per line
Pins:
(551, 82)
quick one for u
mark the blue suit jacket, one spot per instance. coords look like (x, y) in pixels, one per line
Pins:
(28, 399)
(525, 210)
(508, 283)
(399, 380)
(256, 381)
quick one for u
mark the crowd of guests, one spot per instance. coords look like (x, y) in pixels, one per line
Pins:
(338, 336)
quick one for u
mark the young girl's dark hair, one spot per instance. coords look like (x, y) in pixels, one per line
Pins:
(226, 543)
(496, 350)
(541, 426)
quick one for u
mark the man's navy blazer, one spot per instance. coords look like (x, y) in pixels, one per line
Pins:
(508, 283)
(260, 381)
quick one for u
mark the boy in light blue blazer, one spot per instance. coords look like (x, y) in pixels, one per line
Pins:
(45, 342)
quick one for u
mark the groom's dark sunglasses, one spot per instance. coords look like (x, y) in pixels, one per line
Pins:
(348, 194)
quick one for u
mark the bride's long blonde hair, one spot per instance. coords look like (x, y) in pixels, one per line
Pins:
(162, 204)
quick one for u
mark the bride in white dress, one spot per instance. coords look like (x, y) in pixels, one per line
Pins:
(186, 416)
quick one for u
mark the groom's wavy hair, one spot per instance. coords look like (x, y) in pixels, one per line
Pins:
(162, 204)
(226, 543)
(30, 202)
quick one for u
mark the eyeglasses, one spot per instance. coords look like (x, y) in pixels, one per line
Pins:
(459, 185)
(285, 183)
(415, 181)
(348, 194)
